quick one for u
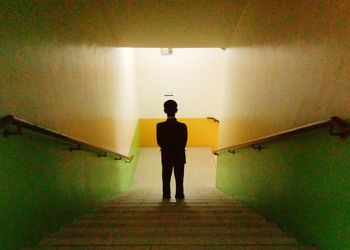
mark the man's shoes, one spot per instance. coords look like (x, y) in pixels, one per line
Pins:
(179, 197)
(166, 197)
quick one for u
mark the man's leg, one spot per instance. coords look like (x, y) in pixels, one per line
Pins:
(179, 177)
(166, 176)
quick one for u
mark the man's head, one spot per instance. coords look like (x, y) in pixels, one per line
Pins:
(170, 108)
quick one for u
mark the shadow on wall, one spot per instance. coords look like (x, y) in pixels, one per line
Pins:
(263, 23)
(236, 132)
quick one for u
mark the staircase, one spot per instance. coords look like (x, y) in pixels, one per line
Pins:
(140, 219)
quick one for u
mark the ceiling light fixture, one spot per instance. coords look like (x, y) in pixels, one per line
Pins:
(166, 51)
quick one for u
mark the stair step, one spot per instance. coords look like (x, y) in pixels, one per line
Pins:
(155, 208)
(165, 234)
(145, 211)
(166, 210)
(172, 229)
(170, 203)
(207, 223)
(202, 226)
(109, 247)
(170, 240)
(158, 197)
(224, 240)
(172, 247)
(170, 217)
(174, 205)
(230, 247)
(221, 230)
(176, 221)
(139, 220)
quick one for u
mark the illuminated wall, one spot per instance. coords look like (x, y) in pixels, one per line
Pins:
(79, 89)
(288, 65)
(195, 77)
(87, 92)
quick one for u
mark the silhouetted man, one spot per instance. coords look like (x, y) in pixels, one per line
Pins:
(172, 139)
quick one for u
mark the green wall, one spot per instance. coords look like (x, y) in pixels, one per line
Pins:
(43, 185)
(302, 183)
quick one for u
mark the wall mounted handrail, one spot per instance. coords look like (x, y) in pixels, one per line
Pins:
(213, 118)
(336, 125)
(80, 145)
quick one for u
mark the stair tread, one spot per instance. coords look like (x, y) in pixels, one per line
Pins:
(175, 213)
(172, 247)
(169, 240)
(168, 234)
(172, 229)
(160, 209)
(177, 223)
(170, 219)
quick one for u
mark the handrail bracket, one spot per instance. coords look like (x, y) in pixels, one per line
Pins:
(339, 127)
(102, 155)
(130, 159)
(257, 147)
(7, 132)
(71, 149)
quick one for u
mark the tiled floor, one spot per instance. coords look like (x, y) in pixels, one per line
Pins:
(140, 219)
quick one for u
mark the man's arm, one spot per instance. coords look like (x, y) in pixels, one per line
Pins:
(160, 139)
(185, 135)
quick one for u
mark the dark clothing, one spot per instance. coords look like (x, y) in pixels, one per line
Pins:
(167, 170)
(172, 139)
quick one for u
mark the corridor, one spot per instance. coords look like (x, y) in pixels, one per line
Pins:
(139, 219)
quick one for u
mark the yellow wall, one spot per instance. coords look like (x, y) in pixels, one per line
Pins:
(288, 65)
(201, 132)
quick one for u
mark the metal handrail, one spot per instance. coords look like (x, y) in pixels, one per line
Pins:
(337, 127)
(80, 145)
(213, 118)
